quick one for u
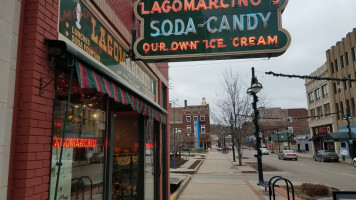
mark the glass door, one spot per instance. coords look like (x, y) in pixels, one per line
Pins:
(125, 172)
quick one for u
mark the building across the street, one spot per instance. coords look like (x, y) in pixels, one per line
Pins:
(320, 110)
(289, 122)
(341, 64)
(80, 116)
(185, 123)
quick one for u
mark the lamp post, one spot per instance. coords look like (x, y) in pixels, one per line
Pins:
(253, 90)
(279, 145)
(347, 118)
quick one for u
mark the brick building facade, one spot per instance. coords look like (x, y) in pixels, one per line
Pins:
(102, 106)
(273, 120)
(182, 122)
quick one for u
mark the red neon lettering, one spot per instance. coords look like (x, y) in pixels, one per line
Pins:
(174, 46)
(261, 40)
(255, 3)
(74, 143)
(220, 43)
(143, 11)
(273, 40)
(252, 41)
(222, 5)
(166, 8)
(154, 46)
(244, 41)
(184, 45)
(189, 5)
(174, 6)
(235, 42)
(162, 47)
(156, 8)
(201, 4)
(245, 2)
(146, 47)
(57, 124)
(213, 3)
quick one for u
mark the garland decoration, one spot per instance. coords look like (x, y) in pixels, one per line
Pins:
(310, 77)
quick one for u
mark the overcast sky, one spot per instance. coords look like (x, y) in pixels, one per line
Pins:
(314, 26)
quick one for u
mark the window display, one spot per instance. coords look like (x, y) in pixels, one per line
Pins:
(125, 156)
(83, 158)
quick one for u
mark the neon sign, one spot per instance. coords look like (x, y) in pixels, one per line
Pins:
(174, 30)
(74, 143)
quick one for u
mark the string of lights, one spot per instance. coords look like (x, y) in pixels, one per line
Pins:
(310, 77)
(260, 117)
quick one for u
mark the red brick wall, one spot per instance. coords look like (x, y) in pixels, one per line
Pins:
(32, 119)
(124, 10)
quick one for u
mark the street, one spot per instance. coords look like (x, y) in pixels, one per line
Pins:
(305, 170)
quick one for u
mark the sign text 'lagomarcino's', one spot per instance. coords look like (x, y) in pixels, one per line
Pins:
(178, 30)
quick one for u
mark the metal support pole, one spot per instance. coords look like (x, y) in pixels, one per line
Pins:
(257, 130)
(258, 140)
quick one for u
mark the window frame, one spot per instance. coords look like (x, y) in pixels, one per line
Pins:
(311, 96)
(342, 61)
(195, 117)
(347, 58)
(318, 94)
(188, 117)
(202, 118)
(325, 90)
(202, 128)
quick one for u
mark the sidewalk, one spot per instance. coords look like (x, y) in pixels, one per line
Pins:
(218, 178)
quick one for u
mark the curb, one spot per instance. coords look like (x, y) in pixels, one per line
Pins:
(176, 194)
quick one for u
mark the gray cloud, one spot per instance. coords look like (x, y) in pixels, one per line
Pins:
(314, 25)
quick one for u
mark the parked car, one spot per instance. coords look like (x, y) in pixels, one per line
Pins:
(264, 151)
(287, 154)
(326, 155)
(354, 161)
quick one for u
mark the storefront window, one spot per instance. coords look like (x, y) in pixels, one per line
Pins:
(125, 157)
(83, 157)
(149, 159)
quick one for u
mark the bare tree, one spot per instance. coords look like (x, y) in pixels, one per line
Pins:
(233, 108)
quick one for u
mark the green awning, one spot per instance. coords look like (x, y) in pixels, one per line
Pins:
(89, 78)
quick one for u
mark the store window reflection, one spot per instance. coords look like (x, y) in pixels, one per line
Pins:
(149, 159)
(125, 157)
(83, 157)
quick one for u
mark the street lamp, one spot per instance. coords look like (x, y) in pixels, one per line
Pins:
(253, 90)
(347, 118)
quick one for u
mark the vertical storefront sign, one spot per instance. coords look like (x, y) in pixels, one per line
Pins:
(181, 30)
(196, 134)
(86, 32)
